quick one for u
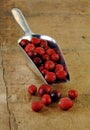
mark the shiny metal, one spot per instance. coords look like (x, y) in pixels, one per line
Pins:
(29, 34)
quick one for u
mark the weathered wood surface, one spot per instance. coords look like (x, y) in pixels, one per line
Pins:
(69, 23)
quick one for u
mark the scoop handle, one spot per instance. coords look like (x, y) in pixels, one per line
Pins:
(20, 19)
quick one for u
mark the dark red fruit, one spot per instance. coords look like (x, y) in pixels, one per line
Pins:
(55, 95)
(50, 77)
(37, 106)
(29, 47)
(32, 89)
(37, 61)
(61, 74)
(49, 65)
(43, 44)
(41, 68)
(65, 103)
(44, 89)
(40, 51)
(50, 51)
(24, 42)
(59, 67)
(30, 54)
(46, 99)
(44, 71)
(35, 40)
(72, 94)
(45, 57)
(55, 57)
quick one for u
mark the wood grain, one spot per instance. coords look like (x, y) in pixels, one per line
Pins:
(69, 23)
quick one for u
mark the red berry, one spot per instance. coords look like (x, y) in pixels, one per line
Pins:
(41, 68)
(72, 94)
(46, 57)
(32, 89)
(29, 47)
(44, 71)
(65, 103)
(46, 99)
(30, 54)
(55, 57)
(37, 61)
(24, 42)
(37, 106)
(50, 77)
(43, 44)
(44, 89)
(50, 51)
(59, 67)
(55, 95)
(61, 74)
(49, 65)
(40, 50)
(35, 40)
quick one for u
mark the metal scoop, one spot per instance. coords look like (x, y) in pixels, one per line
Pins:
(29, 34)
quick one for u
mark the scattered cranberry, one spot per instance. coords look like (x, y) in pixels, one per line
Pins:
(65, 103)
(32, 89)
(55, 57)
(50, 77)
(37, 106)
(49, 65)
(72, 94)
(55, 95)
(29, 47)
(44, 89)
(35, 40)
(43, 44)
(37, 60)
(46, 99)
(24, 42)
(46, 57)
(61, 74)
(40, 50)
(50, 51)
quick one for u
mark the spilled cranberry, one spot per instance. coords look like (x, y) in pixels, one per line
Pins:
(72, 93)
(37, 106)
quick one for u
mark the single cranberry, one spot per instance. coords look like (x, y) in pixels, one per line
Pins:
(30, 54)
(29, 47)
(65, 103)
(40, 50)
(49, 65)
(35, 40)
(24, 42)
(43, 44)
(44, 71)
(61, 74)
(50, 77)
(37, 61)
(41, 68)
(44, 89)
(45, 57)
(72, 94)
(50, 51)
(32, 89)
(37, 106)
(55, 95)
(46, 99)
(55, 57)
(59, 67)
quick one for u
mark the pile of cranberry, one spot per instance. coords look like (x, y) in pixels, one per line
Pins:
(46, 58)
(49, 96)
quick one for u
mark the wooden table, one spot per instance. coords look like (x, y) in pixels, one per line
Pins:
(69, 23)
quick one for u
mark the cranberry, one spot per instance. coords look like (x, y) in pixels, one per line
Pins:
(32, 89)
(72, 94)
(35, 40)
(40, 50)
(59, 67)
(44, 89)
(37, 106)
(46, 57)
(43, 44)
(24, 42)
(41, 68)
(61, 74)
(37, 61)
(50, 77)
(50, 51)
(29, 47)
(65, 103)
(49, 65)
(30, 54)
(55, 95)
(46, 99)
(55, 57)
(44, 71)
